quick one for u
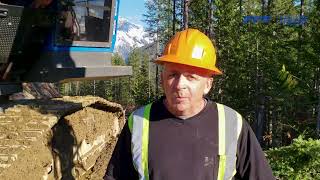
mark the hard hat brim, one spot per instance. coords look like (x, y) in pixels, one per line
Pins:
(173, 59)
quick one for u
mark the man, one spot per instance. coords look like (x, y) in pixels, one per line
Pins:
(184, 136)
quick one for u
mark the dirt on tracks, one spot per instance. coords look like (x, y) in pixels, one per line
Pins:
(61, 138)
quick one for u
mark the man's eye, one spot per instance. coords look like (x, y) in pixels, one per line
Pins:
(173, 75)
(192, 77)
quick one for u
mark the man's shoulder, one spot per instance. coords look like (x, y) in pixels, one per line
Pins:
(154, 104)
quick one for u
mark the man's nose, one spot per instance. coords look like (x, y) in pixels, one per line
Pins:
(181, 82)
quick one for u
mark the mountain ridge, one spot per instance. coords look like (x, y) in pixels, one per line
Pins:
(130, 36)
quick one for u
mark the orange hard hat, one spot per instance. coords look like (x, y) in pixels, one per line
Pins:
(193, 48)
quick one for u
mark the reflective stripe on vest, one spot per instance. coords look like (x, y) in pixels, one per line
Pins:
(229, 131)
(230, 124)
(139, 127)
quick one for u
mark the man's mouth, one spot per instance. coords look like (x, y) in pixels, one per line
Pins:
(179, 98)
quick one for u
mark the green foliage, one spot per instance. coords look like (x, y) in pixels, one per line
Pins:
(141, 81)
(289, 81)
(300, 160)
(117, 60)
(159, 17)
(199, 15)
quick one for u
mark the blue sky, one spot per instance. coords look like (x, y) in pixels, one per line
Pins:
(132, 10)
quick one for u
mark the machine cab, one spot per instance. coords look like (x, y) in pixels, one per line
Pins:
(59, 40)
(88, 23)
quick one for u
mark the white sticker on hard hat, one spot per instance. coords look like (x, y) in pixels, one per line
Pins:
(197, 52)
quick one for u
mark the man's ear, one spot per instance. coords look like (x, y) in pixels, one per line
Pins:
(209, 82)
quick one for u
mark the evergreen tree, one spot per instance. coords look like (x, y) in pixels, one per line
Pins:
(140, 88)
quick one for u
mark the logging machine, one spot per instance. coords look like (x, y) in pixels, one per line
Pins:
(65, 40)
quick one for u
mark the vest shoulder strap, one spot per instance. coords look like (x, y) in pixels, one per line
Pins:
(229, 127)
(138, 123)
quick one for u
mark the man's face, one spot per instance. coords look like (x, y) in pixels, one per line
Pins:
(184, 87)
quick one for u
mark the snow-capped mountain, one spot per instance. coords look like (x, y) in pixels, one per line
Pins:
(130, 36)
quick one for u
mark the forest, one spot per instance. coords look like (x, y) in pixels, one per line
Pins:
(269, 52)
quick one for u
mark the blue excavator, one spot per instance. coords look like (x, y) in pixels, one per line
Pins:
(57, 41)
(51, 41)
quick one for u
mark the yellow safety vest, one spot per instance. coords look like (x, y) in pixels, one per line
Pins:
(230, 125)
